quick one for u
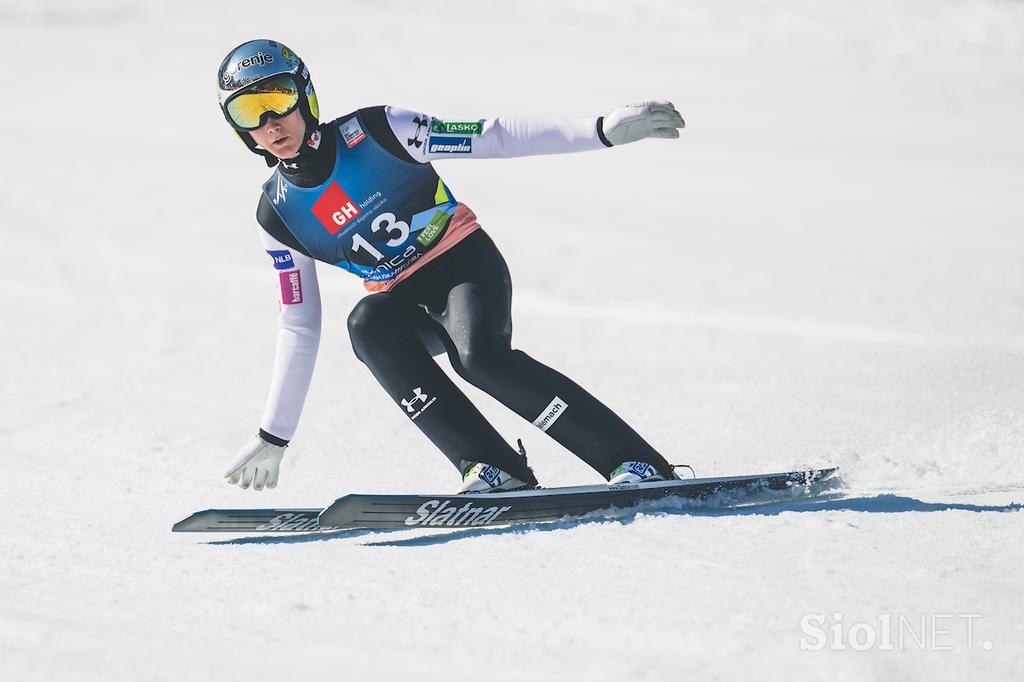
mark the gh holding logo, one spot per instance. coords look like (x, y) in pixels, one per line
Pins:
(335, 209)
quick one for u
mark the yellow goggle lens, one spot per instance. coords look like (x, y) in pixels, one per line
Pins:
(277, 96)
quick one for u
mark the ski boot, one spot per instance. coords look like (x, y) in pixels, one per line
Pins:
(481, 477)
(635, 472)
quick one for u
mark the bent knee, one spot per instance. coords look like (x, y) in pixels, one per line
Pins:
(376, 319)
(477, 364)
(372, 313)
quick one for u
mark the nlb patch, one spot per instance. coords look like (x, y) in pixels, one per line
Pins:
(291, 287)
(282, 259)
(334, 209)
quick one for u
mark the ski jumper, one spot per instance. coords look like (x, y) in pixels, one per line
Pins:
(363, 196)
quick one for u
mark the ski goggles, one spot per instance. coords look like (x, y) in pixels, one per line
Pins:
(249, 109)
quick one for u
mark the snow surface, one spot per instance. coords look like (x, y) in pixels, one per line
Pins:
(826, 269)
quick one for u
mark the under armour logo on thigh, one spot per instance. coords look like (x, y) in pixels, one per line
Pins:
(419, 395)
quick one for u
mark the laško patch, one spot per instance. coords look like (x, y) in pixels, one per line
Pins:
(334, 208)
(291, 287)
(455, 127)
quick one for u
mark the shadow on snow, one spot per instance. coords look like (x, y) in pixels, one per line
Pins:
(884, 504)
(879, 504)
(298, 538)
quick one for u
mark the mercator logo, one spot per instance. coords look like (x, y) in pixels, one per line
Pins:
(444, 513)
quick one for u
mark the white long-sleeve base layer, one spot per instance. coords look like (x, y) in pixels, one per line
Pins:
(298, 339)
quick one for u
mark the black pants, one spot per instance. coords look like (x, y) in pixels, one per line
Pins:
(461, 303)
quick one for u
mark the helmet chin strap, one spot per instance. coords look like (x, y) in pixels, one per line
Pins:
(268, 157)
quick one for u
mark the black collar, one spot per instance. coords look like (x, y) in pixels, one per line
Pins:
(315, 161)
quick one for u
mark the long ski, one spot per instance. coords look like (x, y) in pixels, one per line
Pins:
(529, 506)
(549, 504)
(250, 521)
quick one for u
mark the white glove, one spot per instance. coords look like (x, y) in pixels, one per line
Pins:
(257, 464)
(657, 118)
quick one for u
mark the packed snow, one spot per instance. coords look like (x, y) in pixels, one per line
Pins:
(826, 269)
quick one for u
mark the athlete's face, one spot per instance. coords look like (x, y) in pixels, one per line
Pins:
(282, 137)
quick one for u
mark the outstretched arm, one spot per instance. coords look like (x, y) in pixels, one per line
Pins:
(429, 138)
(298, 339)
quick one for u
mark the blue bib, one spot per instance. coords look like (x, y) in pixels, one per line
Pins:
(374, 216)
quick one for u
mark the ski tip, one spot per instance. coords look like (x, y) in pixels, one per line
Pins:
(824, 479)
(249, 521)
(822, 474)
(808, 476)
(192, 523)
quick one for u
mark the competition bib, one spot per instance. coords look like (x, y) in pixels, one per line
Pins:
(374, 216)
